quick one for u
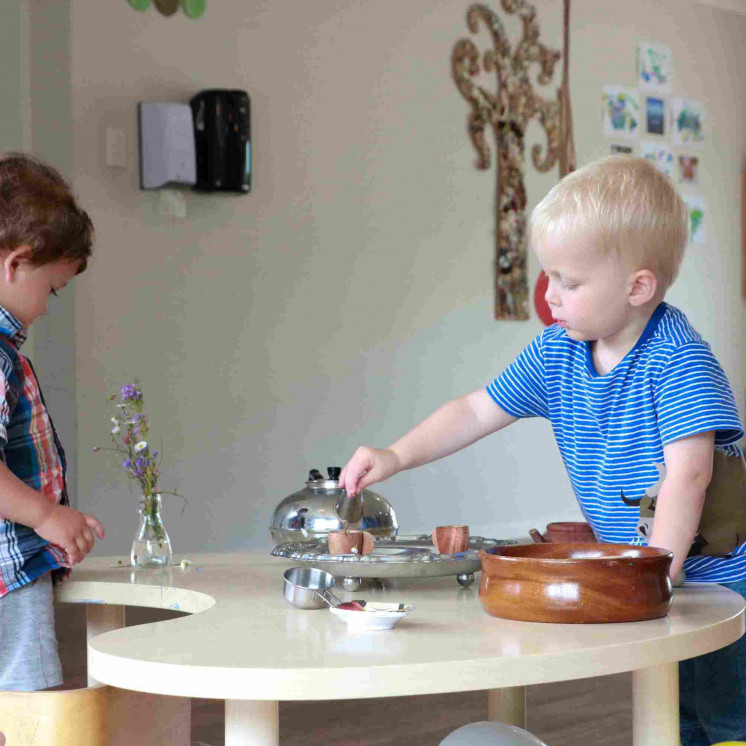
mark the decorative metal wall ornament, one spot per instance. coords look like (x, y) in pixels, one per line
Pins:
(509, 111)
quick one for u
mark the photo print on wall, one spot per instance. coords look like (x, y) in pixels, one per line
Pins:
(655, 112)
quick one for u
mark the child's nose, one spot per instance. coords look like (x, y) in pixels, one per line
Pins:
(551, 296)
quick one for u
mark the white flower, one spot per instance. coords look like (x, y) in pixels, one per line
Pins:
(115, 420)
(116, 430)
(141, 446)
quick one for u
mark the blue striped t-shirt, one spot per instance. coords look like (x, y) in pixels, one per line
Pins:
(611, 429)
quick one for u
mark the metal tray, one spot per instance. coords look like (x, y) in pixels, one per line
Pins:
(403, 556)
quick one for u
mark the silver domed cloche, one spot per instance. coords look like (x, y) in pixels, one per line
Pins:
(310, 514)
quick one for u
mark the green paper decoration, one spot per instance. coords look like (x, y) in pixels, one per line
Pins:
(192, 8)
(167, 7)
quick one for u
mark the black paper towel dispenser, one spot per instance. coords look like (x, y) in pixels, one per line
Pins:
(222, 139)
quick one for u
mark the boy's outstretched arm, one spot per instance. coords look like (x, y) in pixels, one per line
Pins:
(65, 527)
(682, 495)
(454, 426)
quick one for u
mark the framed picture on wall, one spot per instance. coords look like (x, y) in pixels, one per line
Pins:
(655, 115)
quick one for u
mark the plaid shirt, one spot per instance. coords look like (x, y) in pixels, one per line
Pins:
(30, 448)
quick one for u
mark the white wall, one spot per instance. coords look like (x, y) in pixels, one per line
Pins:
(15, 133)
(351, 292)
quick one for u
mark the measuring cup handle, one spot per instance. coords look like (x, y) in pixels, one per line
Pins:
(337, 602)
(322, 596)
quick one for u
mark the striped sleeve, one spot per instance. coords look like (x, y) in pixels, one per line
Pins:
(693, 396)
(521, 388)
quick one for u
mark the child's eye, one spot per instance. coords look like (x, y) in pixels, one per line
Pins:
(568, 285)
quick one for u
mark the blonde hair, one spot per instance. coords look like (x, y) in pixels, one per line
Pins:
(627, 206)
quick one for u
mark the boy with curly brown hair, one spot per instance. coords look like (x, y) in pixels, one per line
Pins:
(45, 241)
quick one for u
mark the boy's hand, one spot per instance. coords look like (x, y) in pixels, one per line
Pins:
(368, 465)
(71, 530)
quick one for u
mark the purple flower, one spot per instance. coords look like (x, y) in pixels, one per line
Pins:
(130, 392)
(127, 464)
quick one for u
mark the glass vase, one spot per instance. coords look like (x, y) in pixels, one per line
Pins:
(151, 546)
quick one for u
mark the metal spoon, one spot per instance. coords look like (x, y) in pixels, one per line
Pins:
(349, 508)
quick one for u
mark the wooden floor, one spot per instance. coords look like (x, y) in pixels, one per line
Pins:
(590, 712)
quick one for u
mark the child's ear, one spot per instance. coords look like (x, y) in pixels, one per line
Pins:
(643, 287)
(11, 261)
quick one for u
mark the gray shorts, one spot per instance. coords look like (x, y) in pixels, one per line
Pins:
(28, 646)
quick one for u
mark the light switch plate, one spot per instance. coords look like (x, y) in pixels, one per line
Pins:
(116, 147)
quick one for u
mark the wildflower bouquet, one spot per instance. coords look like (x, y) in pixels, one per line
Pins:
(129, 436)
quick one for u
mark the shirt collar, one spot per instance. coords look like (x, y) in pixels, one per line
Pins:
(11, 327)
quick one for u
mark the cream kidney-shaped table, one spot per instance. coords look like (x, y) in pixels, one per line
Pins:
(242, 642)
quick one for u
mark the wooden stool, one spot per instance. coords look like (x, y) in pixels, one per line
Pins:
(97, 716)
(76, 717)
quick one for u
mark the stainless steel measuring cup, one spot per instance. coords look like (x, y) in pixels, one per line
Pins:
(308, 588)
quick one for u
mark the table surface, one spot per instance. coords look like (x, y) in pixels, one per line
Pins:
(242, 640)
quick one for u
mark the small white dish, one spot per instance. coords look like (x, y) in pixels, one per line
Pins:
(375, 616)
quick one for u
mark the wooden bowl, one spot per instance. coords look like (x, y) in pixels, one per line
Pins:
(565, 531)
(576, 583)
(570, 531)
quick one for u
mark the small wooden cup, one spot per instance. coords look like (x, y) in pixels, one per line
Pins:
(451, 539)
(350, 542)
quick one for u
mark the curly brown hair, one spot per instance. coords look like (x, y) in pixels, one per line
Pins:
(38, 209)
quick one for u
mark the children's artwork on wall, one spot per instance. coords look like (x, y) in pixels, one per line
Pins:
(688, 169)
(654, 67)
(655, 111)
(622, 150)
(621, 111)
(513, 68)
(688, 122)
(697, 214)
(659, 154)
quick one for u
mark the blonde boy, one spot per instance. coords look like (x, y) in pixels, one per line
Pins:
(642, 411)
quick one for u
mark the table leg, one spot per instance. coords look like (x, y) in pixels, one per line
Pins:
(252, 723)
(507, 705)
(102, 618)
(655, 706)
